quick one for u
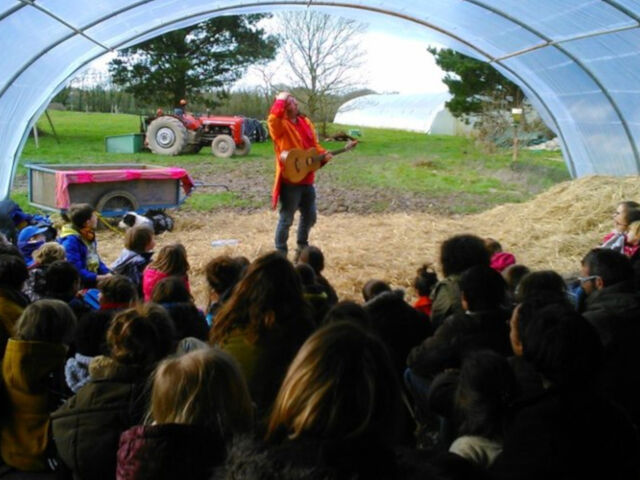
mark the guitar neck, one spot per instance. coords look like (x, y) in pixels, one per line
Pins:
(338, 152)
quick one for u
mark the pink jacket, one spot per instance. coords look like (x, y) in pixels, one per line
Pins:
(150, 277)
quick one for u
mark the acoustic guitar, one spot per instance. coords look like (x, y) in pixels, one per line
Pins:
(298, 163)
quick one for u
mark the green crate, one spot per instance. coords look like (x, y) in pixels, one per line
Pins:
(130, 143)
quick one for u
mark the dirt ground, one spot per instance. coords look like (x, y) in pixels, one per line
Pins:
(552, 231)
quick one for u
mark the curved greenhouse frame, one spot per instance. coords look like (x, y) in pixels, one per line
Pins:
(578, 61)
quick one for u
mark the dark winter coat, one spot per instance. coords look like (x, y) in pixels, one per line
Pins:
(446, 298)
(313, 459)
(400, 326)
(87, 428)
(615, 312)
(169, 451)
(611, 308)
(188, 319)
(458, 335)
(568, 435)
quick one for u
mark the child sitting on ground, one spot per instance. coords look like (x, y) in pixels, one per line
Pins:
(136, 255)
(223, 273)
(314, 257)
(33, 383)
(170, 261)
(625, 214)
(36, 286)
(117, 293)
(499, 259)
(78, 237)
(29, 240)
(313, 292)
(172, 294)
(62, 282)
(199, 402)
(13, 273)
(424, 282)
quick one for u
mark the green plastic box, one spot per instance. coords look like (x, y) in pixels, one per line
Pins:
(130, 143)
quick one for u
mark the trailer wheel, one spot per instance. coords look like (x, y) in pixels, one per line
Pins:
(244, 148)
(117, 203)
(167, 136)
(223, 146)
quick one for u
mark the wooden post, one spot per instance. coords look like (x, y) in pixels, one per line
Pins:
(35, 135)
(514, 159)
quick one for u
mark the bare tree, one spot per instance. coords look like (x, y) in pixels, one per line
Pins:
(323, 53)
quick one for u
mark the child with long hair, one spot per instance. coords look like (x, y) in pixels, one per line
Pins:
(170, 261)
(426, 278)
(263, 324)
(199, 401)
(78, 237)
(335, 415)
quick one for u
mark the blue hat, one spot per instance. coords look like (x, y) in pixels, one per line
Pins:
(27, 232)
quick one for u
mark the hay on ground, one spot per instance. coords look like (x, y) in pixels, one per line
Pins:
(552, 231)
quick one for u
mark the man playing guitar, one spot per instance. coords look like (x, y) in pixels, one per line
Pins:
(290, 130)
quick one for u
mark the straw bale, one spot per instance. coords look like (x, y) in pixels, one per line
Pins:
(553, 230)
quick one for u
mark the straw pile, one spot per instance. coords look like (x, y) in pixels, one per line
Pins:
(554, 230)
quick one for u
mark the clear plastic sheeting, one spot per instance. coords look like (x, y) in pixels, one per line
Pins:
(578, 60)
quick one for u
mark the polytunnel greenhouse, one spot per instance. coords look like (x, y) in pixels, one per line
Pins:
(578, 61)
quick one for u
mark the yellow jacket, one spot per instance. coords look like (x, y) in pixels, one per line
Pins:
(26, 371)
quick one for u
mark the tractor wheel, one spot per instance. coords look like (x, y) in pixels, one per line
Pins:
(244, 148)
(117, 203)
(167, 136)
(223, 146)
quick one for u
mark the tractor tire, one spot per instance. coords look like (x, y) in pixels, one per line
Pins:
(117, 203)
(244, 148)
(167, 136)
(223, 146)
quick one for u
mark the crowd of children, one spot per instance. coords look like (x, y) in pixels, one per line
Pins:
(495, 371)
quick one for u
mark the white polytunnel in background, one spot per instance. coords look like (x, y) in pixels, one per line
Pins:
(417, 112)
(578, 61)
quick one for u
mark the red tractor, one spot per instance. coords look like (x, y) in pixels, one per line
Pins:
(184, 133)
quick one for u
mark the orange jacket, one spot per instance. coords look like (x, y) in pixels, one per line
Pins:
(285, 137)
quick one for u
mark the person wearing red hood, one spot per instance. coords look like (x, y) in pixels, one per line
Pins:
(499, 259)
(290, 129)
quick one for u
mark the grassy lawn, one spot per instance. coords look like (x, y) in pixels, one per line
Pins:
(450, 172)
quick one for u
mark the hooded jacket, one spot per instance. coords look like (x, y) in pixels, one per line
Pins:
(27, 370)
(87, 428)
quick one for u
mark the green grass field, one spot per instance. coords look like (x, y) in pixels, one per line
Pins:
(452, 172)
